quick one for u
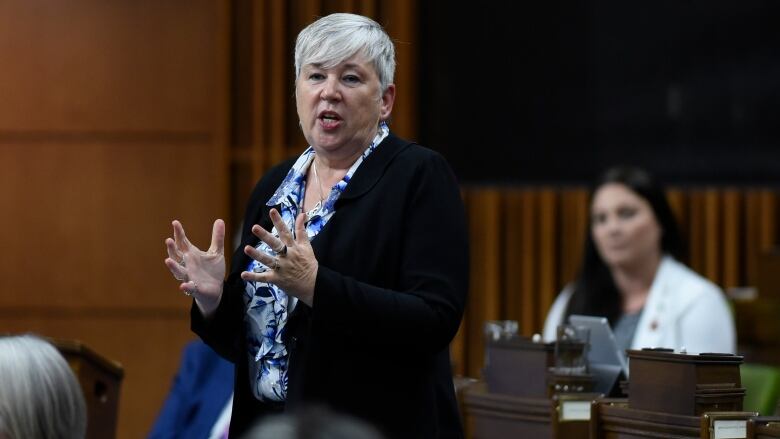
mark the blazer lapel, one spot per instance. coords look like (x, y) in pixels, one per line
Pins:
(372, 169)
(655, 315)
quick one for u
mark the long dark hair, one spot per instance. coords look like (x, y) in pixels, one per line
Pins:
(595, 292)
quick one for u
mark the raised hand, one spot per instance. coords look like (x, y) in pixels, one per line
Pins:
(294, 268)
(201, 273)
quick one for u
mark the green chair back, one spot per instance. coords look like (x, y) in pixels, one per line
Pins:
(762, 388)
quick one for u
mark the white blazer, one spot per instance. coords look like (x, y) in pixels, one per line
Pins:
(683, 310)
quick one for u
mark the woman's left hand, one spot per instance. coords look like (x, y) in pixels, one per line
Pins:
(294, 268)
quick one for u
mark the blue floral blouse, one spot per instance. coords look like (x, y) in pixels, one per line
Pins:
(267, 306)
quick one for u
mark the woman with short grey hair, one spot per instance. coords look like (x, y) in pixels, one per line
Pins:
(40, 397)
(351, 278)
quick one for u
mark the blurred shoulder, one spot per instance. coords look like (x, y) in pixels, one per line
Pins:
(687, 281)
(410, 150)
(412, 156)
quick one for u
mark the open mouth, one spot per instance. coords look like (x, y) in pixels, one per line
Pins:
(329, 119)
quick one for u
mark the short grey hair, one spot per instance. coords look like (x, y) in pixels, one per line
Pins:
(337, 37)
(39, 395)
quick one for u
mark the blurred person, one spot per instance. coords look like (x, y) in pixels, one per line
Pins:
(40, 397)
(351, 278)
(632, 275)
(312, 423)
(201, 398)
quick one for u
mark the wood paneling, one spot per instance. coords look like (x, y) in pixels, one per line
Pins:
(114, 121)
(85, 223)
(108, 66)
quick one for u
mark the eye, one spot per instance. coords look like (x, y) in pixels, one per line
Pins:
(626, 212)
(351, 79)
(316, 76)
(598, 218)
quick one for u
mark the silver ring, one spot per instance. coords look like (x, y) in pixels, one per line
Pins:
(182, 263)
(189, 293)
(282, 251)
(276, 264)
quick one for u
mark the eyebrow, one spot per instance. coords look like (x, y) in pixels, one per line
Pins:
(348, 65)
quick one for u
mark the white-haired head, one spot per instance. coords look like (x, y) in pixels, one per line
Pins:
(335, 38)
(39, 394)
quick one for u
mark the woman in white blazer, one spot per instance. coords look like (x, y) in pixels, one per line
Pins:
(630, 274)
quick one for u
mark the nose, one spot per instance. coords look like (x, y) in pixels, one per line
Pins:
(330, 89)
(612, 225)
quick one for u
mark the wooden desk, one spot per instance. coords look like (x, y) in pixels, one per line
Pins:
(498, 416)
(763, 427)
(683, 384)
(615, 420)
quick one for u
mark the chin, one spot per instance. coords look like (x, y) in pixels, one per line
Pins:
(617, 260)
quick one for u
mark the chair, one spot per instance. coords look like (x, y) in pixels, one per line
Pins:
(101, 380)
(762, 385)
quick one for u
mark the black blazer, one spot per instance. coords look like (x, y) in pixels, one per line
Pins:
(389, 297)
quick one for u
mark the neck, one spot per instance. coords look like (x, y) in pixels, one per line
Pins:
(328, 173)
(341, 159)
(634, 282)
(328, 164)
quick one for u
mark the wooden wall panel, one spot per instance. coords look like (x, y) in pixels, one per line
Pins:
(574, 222)
(114, 122)
(731, 237)
(547, 251)
(712, 237)
(87, 221)
(768, 220)
(694, 231)
(514, 227)
(400, 20)
(529, 242)
(107, 66)
(485, 287)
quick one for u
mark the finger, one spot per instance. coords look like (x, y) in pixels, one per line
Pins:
(267, 237)
(259, 256)
(281, 227)
(218, 237)
(300, 229)
(178, 272)
(179, 237)
(267, 276)
(262, 233)
(189, 288)
(170, 246)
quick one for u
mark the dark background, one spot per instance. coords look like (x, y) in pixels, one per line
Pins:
(556, 91)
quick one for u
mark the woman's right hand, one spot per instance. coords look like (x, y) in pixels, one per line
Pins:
(201, 273)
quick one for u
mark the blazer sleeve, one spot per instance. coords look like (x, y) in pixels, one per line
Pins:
(424, 311)
(708, 324)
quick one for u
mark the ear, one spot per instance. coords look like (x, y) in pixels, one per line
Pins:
(386, 104)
